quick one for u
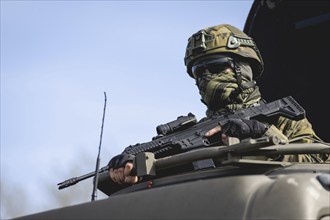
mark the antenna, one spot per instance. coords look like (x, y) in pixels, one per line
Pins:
(94, 193)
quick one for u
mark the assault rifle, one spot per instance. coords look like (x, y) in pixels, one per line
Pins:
(185, 133)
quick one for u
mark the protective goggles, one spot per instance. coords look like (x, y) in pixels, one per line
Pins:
(213, 66)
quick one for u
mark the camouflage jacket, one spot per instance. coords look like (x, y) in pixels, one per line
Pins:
(300, 132)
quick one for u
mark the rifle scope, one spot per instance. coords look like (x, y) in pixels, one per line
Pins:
(182, 122)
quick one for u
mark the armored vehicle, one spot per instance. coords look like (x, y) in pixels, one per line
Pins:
(227, 182)
(236, 189)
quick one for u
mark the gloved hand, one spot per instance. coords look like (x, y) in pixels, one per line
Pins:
(244, 128)
(240, 128)
(120, 160)
(121, 167)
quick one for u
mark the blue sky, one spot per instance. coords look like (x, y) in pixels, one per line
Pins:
(57, 59)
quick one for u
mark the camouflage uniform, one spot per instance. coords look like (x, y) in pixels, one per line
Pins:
(233, 85)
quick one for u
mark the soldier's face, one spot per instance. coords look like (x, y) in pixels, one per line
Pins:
(215, 88)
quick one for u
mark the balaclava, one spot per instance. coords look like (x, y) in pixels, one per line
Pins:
(221, 91)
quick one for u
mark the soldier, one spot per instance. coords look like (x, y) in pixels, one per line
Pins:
(225, 63)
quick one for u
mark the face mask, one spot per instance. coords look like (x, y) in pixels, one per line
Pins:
(216, 89)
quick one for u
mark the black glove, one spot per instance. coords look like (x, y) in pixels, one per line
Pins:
(120, 160)
(244, 128)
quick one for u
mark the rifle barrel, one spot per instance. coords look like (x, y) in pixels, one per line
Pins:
(74, 180)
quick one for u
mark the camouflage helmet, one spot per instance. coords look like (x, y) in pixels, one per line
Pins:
(225, 39)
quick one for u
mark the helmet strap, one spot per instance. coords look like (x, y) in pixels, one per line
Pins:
(241, 86)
